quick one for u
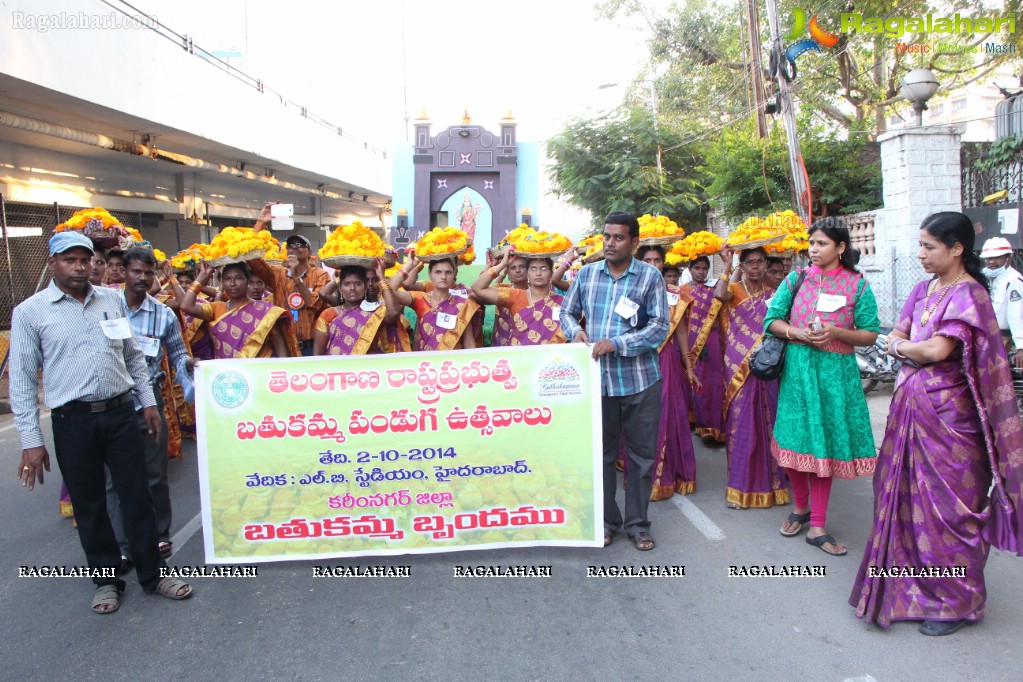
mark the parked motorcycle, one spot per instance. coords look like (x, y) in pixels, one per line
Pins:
(878, 367)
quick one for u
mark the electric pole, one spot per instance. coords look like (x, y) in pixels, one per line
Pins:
(756, 68)
(779, 70)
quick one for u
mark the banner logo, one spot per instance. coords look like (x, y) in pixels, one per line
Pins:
(819, 38)
(230, 390)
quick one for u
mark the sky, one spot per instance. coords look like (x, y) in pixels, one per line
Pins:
(544, 60)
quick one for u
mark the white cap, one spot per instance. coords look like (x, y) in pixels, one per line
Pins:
(995, 247)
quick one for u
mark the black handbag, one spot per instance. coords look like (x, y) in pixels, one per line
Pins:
(769, 357)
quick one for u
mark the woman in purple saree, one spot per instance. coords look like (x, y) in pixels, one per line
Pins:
(754, 477)
(708, 351)
(953, 430)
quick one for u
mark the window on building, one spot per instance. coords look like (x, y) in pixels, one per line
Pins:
(894, 120)
(959, 105)
(938, 109)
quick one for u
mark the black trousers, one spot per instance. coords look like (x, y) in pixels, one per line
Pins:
(637, 417)
(85, 443)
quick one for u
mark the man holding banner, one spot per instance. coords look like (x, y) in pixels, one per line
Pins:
(624, 303)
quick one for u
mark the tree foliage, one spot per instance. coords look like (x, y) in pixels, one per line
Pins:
(750, 175)
(609, 163)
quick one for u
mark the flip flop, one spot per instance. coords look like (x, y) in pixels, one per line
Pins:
(165, 549)
(795, 518)
(609, 537)
(106, 595)
(822, 540)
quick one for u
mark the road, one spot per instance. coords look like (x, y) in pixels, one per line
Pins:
(285, 624)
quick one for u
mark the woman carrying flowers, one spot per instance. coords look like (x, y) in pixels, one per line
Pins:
(533, 313)
(754, 478)
(240, 327)
(359, 325)
(445, 320)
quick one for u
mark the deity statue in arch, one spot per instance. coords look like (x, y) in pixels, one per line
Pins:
(467, 213)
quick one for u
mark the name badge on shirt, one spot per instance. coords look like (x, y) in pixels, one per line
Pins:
(370, 306)
(446, 320)
(150, 346)
(626, 308)
(116, 329)
(556, 311)
(829, 303)
(460, 293)
(672, 298)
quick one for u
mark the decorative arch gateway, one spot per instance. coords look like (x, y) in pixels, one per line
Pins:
(466, 162)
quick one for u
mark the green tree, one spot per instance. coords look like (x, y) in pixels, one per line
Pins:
(700, 52)
(752, 175)
(609, 163)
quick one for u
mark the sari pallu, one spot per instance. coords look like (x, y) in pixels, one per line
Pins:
(359, 331)
(674, 468)
(245, 331)
(429, 335)
(754, 478)
(934, 470)
(533, 324)
(706, 343)
(502, 323)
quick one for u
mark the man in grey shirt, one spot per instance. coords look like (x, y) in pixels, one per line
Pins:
(81, 338)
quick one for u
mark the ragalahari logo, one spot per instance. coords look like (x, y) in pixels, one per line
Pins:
(819, 38)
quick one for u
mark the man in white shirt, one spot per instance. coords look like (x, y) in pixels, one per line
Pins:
(1006, 295)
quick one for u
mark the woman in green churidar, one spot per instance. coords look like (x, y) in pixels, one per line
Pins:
(822, 429)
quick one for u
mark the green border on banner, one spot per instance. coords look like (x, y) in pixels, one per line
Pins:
(344, 456)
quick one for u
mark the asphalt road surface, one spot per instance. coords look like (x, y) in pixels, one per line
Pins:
(286, 624)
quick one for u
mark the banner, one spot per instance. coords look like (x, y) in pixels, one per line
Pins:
(310, 458)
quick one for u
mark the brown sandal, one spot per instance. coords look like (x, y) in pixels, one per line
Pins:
(609, 537)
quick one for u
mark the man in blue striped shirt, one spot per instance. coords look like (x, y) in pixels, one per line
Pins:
(625, 305)
(156, 330)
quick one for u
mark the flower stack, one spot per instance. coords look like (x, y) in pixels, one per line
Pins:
(353, 244)
(754, 232)
(658, 230)
(442, 242)
(237, 244)
(105, 231)
(702, 243)
(542, 245)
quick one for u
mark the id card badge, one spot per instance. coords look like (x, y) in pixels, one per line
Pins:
(295, 303)
(829, 303)
(672, 299)
(460, 293)
(150, 346)
(626, 308)
(556, 312)
(370, 306)
(116, 329)
(446, 320)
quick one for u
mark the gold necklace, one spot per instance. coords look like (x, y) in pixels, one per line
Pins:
(532, 301)
(748, 294)
(926, 316)
(434, 306)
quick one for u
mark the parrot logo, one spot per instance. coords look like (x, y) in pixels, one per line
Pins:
(819, 38)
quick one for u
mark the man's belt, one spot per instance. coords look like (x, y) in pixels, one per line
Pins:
(97, 406)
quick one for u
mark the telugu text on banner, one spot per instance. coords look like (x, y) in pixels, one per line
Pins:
(310, 458)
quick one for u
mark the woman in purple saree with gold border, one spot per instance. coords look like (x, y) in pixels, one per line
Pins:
(953, 423)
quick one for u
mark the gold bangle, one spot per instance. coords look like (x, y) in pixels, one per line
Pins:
(385, 285)
(494, 273)
(788, 332)
(195, 288)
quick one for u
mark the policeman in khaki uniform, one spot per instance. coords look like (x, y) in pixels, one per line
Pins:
(1006, 295)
